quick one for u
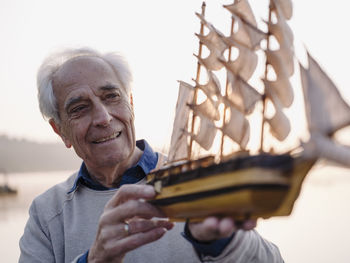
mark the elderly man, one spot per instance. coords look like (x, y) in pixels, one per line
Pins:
(100, 213)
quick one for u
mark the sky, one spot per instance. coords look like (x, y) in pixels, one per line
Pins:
(156, 37)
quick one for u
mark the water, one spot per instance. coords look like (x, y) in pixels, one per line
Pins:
(317, 231)
(14, 208)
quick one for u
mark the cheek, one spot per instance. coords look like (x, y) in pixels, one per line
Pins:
(77, 132)
(125, 114)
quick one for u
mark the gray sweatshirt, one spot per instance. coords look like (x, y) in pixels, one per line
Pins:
(62, 227)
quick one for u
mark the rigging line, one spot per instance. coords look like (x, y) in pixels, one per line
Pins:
(194, 101)
(264, 93)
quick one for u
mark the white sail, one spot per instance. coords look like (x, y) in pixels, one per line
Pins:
(213, 40)
(283, 89)
(322, 146)
(179, 146)
(284, 56)
(286, 7)
(212, 87)
(237, 128)
(212, 62)
(245, 64)
(241, 95)
(207, 109)
(281, 30)
(206, 133)
(242, 9)
(246, 34)
(279, 123)
(279, 61)
(326, 110)
(215, 45)
(280, 91)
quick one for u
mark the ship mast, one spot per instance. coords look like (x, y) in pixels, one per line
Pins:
(265, 74)
(197, 81)
(226, 92)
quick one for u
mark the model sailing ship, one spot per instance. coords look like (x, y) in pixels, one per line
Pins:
(237, 182)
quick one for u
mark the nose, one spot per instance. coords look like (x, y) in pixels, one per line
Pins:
(101, 115)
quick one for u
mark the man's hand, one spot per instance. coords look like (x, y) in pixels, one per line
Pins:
(114, 239)
(213, 228)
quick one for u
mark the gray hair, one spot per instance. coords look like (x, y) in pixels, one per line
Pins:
(46, 97)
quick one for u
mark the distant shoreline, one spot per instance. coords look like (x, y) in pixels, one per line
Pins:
(21, 156)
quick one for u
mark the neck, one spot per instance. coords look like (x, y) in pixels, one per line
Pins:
(111, 176)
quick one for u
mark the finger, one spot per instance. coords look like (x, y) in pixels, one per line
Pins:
(131, 192)
(136, 225)
(142, 225)
(249, 224)
(206, 230)
(226, 227)
(112, 232)
(122, 246)
(215, 228)
(211, 224)
(129, 210)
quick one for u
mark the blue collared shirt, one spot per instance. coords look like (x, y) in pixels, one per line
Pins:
(147, 162)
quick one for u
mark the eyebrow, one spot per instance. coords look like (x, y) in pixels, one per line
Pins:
(108, 87)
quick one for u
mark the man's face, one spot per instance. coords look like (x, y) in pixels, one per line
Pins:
(95, 112)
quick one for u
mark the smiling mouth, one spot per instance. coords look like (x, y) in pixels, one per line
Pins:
(109, 138)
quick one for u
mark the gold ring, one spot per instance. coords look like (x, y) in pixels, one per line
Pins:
(126, 228)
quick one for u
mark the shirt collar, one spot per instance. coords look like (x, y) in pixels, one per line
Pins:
(147, 162)
(149, 158)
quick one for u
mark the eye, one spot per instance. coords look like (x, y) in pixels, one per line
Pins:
(78, 109)
(112, 95)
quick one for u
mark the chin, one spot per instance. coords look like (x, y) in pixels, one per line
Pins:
(113, 159)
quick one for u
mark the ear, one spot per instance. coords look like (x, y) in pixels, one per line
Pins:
(57, 129)
(131, 100)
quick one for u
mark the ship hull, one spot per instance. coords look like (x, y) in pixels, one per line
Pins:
(245, 187)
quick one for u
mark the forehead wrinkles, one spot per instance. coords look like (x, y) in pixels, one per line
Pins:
(79, 69)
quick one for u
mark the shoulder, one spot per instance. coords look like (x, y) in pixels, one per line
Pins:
(250, 246)
(51, 202)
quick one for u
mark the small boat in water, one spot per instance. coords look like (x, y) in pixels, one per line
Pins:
(5, 188)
